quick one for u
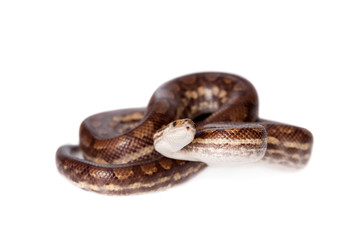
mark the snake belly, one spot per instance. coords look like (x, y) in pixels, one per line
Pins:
(116, 155)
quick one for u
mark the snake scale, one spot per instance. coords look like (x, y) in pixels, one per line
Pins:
(116, 153)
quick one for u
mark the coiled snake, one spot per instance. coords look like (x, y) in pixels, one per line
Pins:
(116, 152)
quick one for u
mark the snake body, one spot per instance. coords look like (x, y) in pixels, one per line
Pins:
(228, 143)
(116, 153)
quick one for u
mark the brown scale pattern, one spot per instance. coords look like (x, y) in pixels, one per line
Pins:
(109, 179)
(288, 145)
(116, 154)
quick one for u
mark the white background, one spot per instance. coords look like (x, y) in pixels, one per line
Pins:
(61, 61)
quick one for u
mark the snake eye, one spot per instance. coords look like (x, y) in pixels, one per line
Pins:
(174, 124)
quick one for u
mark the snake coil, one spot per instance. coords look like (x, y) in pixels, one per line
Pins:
(116, 153)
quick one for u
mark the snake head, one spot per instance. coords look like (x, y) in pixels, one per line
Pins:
(174, 136)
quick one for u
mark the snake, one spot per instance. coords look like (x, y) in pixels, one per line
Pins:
(190, 122)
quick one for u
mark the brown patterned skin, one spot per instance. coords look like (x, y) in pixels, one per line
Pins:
(116, 153)
(228, 97)
(159, 173)
(287, 145)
